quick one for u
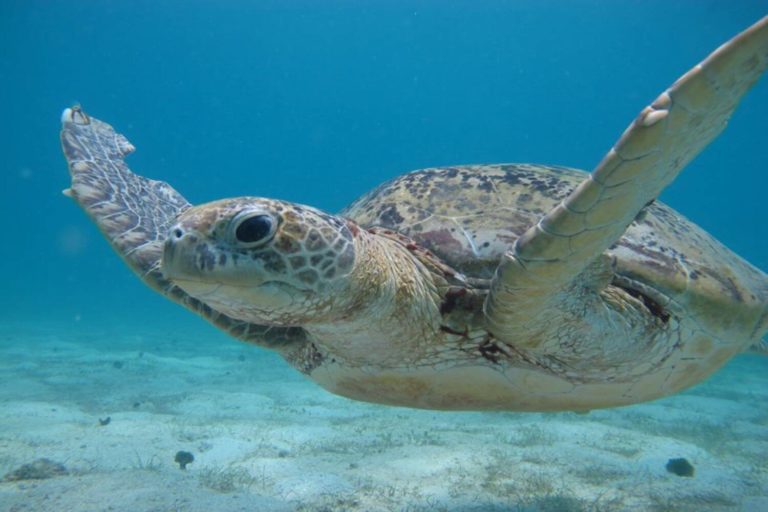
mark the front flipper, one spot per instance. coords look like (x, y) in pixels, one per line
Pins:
(649, 155)
(135, 214)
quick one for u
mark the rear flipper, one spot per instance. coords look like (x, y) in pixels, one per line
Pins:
(135, 214)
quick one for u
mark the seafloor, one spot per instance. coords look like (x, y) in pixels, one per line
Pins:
(264, 438)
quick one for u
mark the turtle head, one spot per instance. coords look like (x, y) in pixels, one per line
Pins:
(260, 260)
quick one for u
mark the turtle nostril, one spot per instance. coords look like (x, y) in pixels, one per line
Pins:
(178, 233)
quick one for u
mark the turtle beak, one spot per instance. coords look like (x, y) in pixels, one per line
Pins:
(187, 264)
(179, 256)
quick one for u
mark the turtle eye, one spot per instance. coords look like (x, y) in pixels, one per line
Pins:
(255, 229)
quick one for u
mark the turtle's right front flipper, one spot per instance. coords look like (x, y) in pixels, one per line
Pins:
(653, 150)
(135, 214)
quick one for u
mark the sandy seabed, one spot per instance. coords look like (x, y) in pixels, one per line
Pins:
(265, 438)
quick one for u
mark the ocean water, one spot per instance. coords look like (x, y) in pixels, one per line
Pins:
(318, 102)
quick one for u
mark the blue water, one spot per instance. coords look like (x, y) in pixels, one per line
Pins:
(317, 102)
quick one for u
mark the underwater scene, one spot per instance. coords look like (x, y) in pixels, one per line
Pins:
(389, 372)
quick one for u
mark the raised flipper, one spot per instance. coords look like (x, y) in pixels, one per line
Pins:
(649, 155)
(135, 214)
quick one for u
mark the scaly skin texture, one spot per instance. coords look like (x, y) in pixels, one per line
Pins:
(515, 287)
(298, 275)
(604, 345)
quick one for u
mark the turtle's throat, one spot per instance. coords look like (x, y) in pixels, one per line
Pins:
(391, 302)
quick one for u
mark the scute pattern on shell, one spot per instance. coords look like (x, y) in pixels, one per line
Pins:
(469, 215)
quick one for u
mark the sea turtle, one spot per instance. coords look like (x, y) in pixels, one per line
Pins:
(512, 287)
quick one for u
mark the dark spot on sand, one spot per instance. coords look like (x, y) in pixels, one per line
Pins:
(680, 467)
(39, 469)
(183, 458)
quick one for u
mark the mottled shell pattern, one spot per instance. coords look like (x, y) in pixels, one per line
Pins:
(469, 216)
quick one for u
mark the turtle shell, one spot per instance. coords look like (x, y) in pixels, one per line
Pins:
(468, 216)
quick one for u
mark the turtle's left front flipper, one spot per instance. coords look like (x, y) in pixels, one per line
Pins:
(649, 155)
